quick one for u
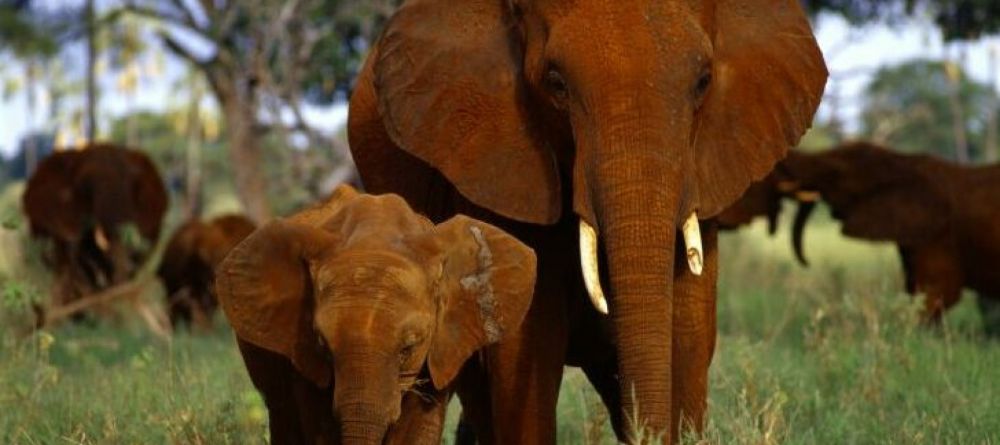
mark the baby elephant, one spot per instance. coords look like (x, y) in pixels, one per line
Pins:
(354, 316)
(189, 262)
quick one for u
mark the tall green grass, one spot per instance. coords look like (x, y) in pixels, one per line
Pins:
(832, 353)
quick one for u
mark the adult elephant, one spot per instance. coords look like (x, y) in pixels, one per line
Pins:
(189, 261)
(80, 200)
(942, 216)
(563, 120)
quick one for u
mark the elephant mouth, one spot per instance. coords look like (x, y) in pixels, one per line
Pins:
(590, 266)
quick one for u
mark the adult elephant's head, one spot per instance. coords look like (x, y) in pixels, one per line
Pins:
(83, 198)
(877, 194)
(654, 112)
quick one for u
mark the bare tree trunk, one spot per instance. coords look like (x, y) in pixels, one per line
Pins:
(954, 75)
(836, 124)
(193, 158)
(31, 142)
(991, 153)
(245, 153)
(91, 130)
(131, 129)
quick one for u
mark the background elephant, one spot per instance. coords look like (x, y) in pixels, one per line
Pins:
(567, 121)
(942, 216)
(81, 200)
(189, 261)
(764, 199)
(342, 309)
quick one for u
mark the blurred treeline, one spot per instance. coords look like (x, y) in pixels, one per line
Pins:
(241, 79)
(244, 75)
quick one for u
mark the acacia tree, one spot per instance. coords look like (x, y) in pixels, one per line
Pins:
(921, 106)
(261, 60)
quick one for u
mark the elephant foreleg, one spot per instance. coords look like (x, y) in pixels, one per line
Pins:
(906, 258)
(937, 275)
(472, 387)
(180, 307)
(422, 418)
(298, 412)
(694, 335)
(525, 369)
(604, 377)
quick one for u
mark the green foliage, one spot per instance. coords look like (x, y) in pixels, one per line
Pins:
(10, 220)
(164, 141)
(861, 11)
(18, 296)
(20, 34)
(957, 19)
(907, 106)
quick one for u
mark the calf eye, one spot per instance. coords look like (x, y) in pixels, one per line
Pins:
(405, 354)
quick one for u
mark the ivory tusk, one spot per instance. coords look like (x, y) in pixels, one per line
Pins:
(692, 242)
(807, 196)
(588, 264)
(787, 186)
(101, 239)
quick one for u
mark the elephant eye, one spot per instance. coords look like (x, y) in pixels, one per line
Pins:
(701, 86)
(409, 345)
(556, 84)
(406, 353)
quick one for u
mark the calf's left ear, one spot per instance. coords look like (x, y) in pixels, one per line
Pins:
(487, 279)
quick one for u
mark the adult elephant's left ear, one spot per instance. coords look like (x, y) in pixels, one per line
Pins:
(49, 200)
(484, 286)
(768, 78)
(450, 92)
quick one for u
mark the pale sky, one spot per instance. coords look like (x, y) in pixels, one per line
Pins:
(852, 55)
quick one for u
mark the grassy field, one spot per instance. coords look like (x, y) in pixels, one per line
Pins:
(831, 354)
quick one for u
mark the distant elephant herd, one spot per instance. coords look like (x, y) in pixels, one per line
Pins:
(548, 181)
(943, 217)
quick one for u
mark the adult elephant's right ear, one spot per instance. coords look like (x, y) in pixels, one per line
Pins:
(266, 290)
(450, 91)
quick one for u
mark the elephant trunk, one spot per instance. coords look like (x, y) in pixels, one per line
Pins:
(773, 211)
(366, 399)
(636, 207)
(802, 215)
(360, 424)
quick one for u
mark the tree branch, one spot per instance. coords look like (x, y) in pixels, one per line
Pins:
(185, 53)
(152, 14)
(188, 15)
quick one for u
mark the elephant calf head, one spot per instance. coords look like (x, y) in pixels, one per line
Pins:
(189, 262)
(362, 293)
